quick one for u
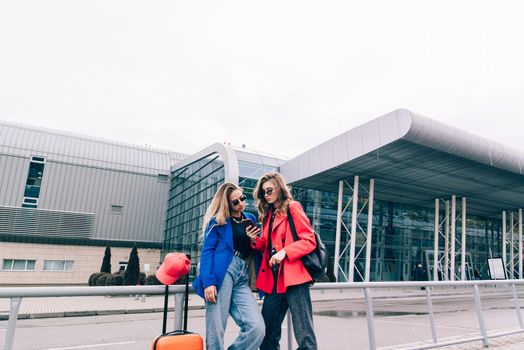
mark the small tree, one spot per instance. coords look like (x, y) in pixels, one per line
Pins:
(132, 273)
(106, 263)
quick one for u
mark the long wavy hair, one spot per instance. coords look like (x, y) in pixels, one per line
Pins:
(260, 201)
(219, 207)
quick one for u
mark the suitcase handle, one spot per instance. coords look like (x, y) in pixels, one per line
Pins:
(186, 303)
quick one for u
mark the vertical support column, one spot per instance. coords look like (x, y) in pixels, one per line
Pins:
(369, 232)
(520, 243)
(480, 316)
(453, 217)
(179, 314)
(446, 247)
(370, 320)
(463, 242)
(435, 241)
(353, 242)
(339, 227)
(504, 239)
(14, 307)
(512, 246)
(289, 331)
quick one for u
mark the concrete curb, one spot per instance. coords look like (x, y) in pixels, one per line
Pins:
(25, 316)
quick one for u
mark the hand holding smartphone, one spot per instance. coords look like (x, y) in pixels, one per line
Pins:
(248, 223)
(252, 229)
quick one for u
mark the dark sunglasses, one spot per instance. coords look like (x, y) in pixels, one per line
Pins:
(236, 201)
(267, 192)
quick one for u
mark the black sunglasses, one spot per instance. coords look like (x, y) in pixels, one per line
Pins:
(267, 192)
(236, 201)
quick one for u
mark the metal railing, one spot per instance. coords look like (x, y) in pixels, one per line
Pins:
(17, 293)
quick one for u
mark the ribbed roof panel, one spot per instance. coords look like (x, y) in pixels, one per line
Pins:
(24, 140)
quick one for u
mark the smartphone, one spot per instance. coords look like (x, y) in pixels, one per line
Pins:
(249, 223)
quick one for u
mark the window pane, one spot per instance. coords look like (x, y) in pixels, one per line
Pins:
(69, 266)
(19, 265)
(58, 265)
(48, 265)
(31, 264)
(8, 264)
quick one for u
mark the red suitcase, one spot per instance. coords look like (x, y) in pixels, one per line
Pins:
(179, 339)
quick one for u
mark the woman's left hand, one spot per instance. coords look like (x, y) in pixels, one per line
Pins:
(277, 257)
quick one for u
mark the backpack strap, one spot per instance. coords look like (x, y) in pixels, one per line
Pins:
(292, 224)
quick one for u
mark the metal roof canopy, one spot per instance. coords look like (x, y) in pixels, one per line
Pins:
(414, 160)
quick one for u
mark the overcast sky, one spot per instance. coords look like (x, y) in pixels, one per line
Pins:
(278, 76)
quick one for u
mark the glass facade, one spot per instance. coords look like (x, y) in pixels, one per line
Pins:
(192, 188)
(402, 234)
(402, 237)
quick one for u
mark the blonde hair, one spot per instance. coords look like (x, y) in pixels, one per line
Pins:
(219, 206)
(260, 201)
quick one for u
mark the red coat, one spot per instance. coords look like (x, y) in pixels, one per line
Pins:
(291, 270)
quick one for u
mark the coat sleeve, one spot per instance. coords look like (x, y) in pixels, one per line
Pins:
(211, 239)
(306, 242)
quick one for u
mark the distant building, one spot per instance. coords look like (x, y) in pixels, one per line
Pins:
(434, 190)
(64, 197)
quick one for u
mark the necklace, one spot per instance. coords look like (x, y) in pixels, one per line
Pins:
(238, 221)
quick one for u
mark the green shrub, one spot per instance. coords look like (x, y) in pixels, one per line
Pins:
(101, 280)
(106, 263)
(142, 279)
(115, 280)
(132, 273)
(93, 278)
(151, 280)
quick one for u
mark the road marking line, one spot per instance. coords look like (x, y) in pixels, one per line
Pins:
(91, 346)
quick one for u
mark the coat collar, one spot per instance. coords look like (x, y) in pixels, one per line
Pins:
(279, 218)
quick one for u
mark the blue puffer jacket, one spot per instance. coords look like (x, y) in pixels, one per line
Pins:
(217, 253)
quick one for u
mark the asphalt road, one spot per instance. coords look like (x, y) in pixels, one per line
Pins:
(340, 324)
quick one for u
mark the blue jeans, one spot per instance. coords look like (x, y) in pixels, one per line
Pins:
(236, 299)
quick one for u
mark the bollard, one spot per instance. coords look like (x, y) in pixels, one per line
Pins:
(143, 298)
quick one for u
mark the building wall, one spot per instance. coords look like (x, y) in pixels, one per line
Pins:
(123, 188)
(87, 260)
(13, 175)
(141, 196)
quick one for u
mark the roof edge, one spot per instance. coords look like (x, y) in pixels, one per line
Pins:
(228, 155)
(449, 139)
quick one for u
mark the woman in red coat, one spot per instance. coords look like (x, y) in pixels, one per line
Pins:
(282, 275)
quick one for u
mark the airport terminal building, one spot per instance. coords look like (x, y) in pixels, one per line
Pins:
(65, 197)
(395, 192)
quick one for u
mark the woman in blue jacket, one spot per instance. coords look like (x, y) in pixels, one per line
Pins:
(223, 275)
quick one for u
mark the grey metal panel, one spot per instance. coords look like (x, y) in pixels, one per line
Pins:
(340, 151)
(314, 164)
(88, 175)
(259, 157)
(326, 156)
(403, 124)
(19, 221)
(84, 150)
(69, 187)
(12, 186)
(437, 135)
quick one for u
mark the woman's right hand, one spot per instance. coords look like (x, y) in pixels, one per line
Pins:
(252, 232)
(210, 294)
